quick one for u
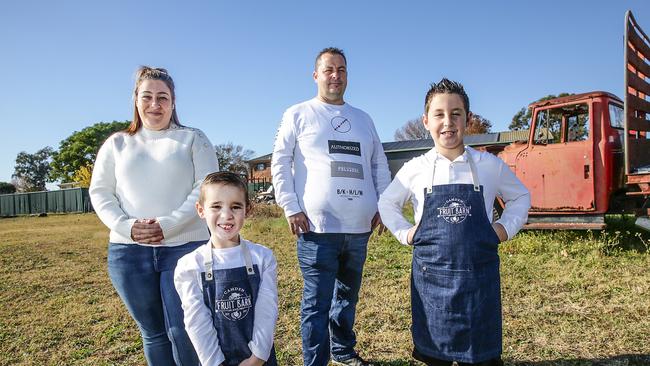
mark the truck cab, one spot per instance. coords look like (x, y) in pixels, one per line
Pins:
(573, 160)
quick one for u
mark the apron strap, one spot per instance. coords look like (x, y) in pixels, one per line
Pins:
(246, 254)
(209, 276)
(472, 168)
(247, 257)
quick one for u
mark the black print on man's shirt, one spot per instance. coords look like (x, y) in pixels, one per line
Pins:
(341, 124)
(344, 147)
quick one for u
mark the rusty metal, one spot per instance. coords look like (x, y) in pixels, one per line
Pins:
(583, 222)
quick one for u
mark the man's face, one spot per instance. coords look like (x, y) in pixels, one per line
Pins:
(446, 121)
(331, 75)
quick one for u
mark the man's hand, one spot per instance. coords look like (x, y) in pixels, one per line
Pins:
(501, 232)
(147, 231)
(298, 223)
(376, 223)
(252, 361)
(411, 234)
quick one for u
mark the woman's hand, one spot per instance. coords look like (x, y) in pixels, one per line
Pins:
(252, 361)
(147, 231)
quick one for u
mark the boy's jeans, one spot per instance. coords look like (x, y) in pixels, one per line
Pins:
(144, 279)
(331, 266)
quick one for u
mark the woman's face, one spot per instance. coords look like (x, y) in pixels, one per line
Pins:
(155, 106)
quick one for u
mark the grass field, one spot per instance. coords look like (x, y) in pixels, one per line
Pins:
(569, 298)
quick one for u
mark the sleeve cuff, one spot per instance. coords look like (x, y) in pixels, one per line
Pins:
(123, 227)
(506, 228)
(259, 352)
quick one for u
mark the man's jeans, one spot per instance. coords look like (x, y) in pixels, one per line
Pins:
(144, 279)
(331, 265)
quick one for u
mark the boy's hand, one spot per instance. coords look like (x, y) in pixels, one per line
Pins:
(501, 232)
(298, 223)
(376, 223)
(252, 361)
(147, 231)
(411, 234)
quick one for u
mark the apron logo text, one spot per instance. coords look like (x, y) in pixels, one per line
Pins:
(454, 211)
(234, 304)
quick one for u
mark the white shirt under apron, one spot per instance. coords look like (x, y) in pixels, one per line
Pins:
(416, 175)
(198, 319)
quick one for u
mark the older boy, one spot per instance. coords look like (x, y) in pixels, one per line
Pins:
(455, 284)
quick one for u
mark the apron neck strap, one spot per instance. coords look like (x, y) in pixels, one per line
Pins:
(472, 168)
(246, 254)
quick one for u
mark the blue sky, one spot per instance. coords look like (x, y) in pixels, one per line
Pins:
(238, 65)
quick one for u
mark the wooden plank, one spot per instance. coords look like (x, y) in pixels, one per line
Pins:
(639, 152)
(637, 104)
(638, 43)
(637, 83)
(636, 61)
(638, 124)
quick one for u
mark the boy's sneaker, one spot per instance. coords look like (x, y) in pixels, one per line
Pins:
(354, 361)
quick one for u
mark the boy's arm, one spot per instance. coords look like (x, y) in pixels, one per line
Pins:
(392, 201)
(266, 308)
(517, 200)
(197, 317)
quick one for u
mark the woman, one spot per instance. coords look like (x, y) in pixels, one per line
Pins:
(144, 186)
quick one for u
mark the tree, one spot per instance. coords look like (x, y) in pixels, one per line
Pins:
(521, 119)
(478, 125)
(233, 158)
(7, 188)
(83, 176)
(412, 130)
(32, 170)
(80, 149)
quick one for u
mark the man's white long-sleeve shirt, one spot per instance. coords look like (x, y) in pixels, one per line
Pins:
(416, 175)
(328, 162)
(197, 316)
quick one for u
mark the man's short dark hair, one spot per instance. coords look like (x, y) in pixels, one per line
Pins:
(446, 86)
(330, 50)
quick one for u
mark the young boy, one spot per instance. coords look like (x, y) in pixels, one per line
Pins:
(228, 287)
(455, 284)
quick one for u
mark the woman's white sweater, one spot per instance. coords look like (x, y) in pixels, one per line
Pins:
(153, 174)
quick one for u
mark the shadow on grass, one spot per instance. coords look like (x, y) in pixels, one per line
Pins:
(620, 235)
(620, 360)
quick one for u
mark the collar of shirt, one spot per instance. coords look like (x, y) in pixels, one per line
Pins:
(433, 155)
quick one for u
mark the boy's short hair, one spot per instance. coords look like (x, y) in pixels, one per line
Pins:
(227, 179)
(446, 86)
(330, 50)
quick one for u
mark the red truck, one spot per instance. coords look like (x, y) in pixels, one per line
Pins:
(588, 154)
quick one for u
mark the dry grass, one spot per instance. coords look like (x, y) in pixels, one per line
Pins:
(569, 298)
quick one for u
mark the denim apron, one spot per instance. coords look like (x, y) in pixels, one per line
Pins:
(455, 291)
(230, 294)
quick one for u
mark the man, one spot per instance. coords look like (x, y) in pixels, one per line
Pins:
(328, 170)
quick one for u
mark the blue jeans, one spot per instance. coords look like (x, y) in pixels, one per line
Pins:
(144, 279)
(331, 266)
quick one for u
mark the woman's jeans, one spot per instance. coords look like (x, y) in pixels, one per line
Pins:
(144, 279)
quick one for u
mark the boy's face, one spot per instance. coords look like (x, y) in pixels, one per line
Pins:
(224, 210)
(446, 121)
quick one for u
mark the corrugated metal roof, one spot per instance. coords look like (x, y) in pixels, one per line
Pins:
(504, 137)
(512, 136)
